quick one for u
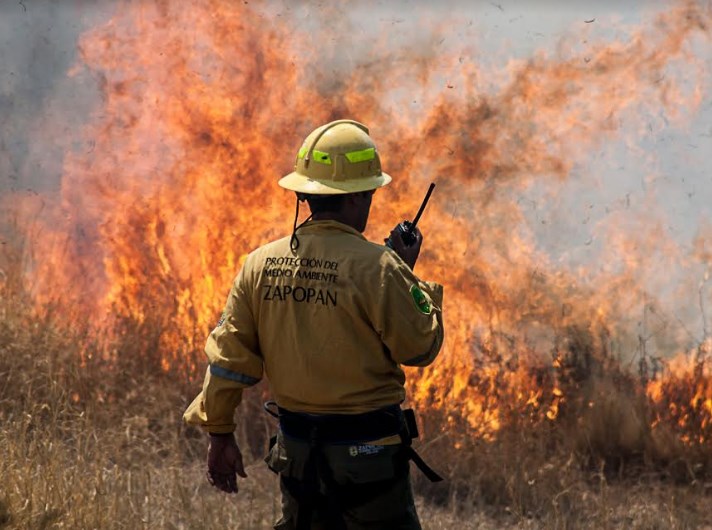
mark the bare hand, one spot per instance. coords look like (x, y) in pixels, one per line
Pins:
(409, 254)
(224, 461)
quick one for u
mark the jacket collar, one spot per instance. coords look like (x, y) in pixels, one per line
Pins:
(316, 227)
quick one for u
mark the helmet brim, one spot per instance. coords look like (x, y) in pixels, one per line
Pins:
(298, 182)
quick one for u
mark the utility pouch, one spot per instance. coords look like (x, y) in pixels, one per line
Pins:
(276, 458)
(361, 464)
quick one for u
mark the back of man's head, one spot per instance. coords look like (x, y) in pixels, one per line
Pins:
(323, 203)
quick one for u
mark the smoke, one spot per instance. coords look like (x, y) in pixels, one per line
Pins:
(42, 109)
(573, 141)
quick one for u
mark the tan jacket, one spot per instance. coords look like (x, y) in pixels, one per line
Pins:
(329, 324)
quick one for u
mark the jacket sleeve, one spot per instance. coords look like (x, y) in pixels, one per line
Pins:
(234, 361)
(408, 313)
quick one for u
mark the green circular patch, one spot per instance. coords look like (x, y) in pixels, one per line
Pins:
(421, 301)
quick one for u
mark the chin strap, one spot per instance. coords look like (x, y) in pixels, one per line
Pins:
(294, 240)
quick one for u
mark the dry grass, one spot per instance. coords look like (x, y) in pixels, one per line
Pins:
(101, 445)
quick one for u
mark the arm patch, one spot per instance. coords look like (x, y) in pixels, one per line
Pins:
(421, 301)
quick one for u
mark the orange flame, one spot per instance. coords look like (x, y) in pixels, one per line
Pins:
(204, 106)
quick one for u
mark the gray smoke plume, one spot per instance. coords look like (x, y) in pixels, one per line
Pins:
(42, 109)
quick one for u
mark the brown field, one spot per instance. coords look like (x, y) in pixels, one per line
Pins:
(100, 444)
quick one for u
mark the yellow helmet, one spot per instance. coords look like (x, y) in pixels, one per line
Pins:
(337, 158)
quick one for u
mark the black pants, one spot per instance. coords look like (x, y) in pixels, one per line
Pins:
(364, 486)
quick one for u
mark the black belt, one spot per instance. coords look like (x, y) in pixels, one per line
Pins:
(345, 429)
(342, 429)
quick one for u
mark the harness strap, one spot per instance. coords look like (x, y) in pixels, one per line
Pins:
(425, 469)
(407, 433)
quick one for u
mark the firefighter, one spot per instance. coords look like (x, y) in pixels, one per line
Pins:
(329, 318)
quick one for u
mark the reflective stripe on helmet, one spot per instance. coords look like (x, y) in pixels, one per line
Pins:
(319, 156)
(361, 156)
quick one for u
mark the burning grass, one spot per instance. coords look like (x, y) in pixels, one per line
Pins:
(87, 442)
(529, 410)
